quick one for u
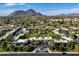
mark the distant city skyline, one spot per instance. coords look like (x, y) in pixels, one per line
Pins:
(44, 8)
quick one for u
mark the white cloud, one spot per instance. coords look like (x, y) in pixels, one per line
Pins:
(13, 4)
(9, 4)
(63, 11)
(6, 12)
(21, 3)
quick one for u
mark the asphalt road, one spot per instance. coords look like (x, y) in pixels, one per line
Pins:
(37, 54)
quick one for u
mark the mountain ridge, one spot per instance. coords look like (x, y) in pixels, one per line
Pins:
(29, 12)
(70, 14)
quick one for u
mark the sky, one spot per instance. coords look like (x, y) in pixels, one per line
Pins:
(44, 8)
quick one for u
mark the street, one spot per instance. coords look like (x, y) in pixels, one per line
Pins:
(37, 54)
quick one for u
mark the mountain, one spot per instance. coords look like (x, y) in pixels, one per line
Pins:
(70, 14)
(29, 12)
(32, 12)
